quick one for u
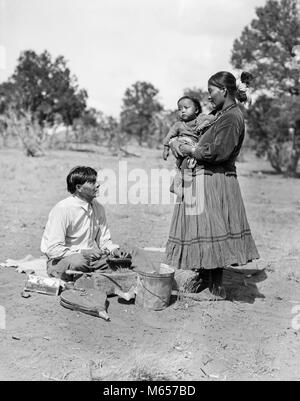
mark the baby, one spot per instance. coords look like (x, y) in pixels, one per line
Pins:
(186, 131)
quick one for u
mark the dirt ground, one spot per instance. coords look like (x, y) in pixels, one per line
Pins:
(255, 336)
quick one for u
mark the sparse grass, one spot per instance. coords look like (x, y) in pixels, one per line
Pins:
(146, 373)
(263, 361)
(293, 251)
(292, 276)
(269, 268)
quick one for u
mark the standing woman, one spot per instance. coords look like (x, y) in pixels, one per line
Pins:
(213, 232)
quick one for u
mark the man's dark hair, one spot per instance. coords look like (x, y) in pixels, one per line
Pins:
(79, 175)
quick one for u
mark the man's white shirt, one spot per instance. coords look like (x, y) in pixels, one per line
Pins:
(74, 224)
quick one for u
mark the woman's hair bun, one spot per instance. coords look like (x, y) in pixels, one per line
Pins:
(246, 77)
(242, 86)
(237, 88)
(241, 96)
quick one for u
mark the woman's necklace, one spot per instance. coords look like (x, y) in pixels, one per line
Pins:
(221, 112)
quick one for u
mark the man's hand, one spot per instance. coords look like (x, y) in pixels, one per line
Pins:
(116, 253)
(91, 254)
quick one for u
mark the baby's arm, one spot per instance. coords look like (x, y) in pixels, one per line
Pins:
(173, 133)
(203, 120)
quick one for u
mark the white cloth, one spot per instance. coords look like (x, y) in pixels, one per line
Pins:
(28, 265)
(74, 224)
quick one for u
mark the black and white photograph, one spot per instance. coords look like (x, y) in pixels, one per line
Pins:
(149, 193)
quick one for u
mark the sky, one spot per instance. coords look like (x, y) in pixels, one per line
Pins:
(110, 44)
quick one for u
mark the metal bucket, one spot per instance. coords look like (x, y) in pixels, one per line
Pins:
(154, 288)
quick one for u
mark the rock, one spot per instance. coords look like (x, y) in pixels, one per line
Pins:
(186, 280)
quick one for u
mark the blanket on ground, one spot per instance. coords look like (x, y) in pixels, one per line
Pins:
(28, 265)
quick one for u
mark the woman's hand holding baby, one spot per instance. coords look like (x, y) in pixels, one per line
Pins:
(176, 148)
(187, 150)
(181, 150)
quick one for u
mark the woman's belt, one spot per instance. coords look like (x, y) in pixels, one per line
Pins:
(213, 169)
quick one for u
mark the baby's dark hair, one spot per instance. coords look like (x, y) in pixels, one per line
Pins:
(80, 175)
(194, 100)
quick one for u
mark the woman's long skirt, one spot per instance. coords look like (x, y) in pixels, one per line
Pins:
(209, 227)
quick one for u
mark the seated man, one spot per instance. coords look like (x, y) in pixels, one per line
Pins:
(76, 236)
